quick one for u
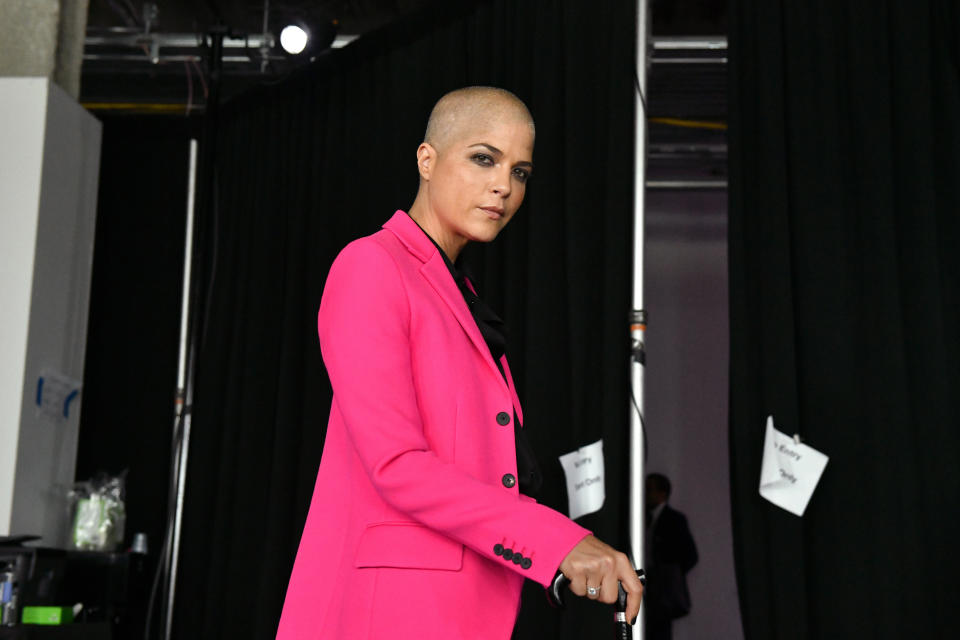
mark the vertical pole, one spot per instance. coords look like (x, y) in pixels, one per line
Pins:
(181, 431)
(194, 302)
(638, 319)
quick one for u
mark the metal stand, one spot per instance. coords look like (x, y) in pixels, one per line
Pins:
(638, 318)
(182, 415)
(191, 320)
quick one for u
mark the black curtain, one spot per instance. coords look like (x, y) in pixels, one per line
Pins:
(130, 370)
(326, 157)
(844, 282)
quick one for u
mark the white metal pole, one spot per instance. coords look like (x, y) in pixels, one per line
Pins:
(181, 436)
(638, 315)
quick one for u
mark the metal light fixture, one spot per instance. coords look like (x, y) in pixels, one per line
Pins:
(294, 39)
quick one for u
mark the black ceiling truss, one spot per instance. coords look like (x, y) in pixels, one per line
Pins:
(156, 61)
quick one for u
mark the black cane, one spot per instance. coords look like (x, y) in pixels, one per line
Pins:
(621, 624)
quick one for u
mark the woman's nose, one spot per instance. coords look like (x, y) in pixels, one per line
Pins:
(501, 186)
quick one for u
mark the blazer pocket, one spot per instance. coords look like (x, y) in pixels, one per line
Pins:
(407, 545)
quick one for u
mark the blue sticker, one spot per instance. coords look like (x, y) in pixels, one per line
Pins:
(66, 403)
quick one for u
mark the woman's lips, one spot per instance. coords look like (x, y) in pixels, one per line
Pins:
(494, 212)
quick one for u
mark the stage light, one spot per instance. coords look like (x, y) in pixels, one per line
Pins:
(293, 39)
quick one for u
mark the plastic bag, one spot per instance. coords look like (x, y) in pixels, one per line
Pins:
(98, 513)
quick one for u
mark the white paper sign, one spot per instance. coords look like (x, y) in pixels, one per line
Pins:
(790, 470)
(584, 471)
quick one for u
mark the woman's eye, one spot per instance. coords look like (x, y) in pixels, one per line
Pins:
(484, 159)
(521, 174)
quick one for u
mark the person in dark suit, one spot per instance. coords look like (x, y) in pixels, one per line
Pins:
(671, 554)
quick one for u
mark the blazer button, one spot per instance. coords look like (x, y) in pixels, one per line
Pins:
(526, 563)
(517, 558)
(498, 549)
(503, 418)
(507, 554)
(508, 480)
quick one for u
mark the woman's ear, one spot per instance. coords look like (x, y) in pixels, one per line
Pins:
(426, 158)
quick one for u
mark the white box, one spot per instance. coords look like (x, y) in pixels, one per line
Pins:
(49, 167)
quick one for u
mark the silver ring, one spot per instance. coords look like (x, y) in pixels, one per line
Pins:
(592, 591)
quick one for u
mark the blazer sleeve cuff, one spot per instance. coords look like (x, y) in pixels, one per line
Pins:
(550, 562)
(541, 548)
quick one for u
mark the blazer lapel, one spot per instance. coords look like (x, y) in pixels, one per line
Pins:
(434, 269)
(513, 390)
(436, 272)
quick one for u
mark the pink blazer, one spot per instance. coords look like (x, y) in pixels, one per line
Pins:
(416, 491)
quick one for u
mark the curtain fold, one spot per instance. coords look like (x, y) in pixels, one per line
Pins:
(127, 408)
(326, 157)
(844, 278)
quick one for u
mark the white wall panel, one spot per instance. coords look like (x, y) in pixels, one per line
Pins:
(686, 391)
(49, 161)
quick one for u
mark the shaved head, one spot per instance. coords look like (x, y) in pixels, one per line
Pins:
(474, 163)
(472, 109)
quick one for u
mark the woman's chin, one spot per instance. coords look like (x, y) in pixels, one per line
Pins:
(486, 237)
(488, 231)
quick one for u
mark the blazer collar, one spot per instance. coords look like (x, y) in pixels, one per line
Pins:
(438, 275)
(412, 236)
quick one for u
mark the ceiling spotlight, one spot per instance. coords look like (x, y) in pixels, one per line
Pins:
(293, 39)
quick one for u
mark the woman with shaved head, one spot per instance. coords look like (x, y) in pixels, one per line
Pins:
(422, 524)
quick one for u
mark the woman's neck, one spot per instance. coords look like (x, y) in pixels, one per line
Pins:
(449, 243)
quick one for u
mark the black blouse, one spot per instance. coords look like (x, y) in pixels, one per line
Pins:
(493, 330)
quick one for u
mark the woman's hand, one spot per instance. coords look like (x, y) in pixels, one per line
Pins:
(597, 565)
